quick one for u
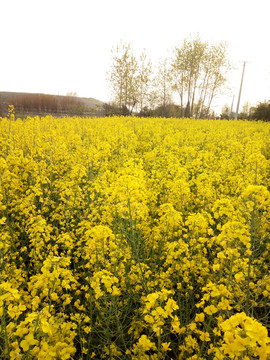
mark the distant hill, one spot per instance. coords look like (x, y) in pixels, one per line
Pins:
(91, 102)
(42, 104)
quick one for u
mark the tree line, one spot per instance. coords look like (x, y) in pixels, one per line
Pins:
(183, 85)
(259, 112)
(43, 104)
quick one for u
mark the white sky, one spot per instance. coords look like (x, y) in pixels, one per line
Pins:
(56, 46)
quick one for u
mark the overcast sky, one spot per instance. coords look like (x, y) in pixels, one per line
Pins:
(58, 46)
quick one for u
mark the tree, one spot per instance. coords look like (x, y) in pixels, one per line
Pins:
(226, 112)
(143, 79)
(218, 68)
(162, 93)
(245, 112)
(261, 111)
(198, 73)
(187, 64)
(122, 77)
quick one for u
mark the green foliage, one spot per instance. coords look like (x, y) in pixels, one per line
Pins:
(262, 111)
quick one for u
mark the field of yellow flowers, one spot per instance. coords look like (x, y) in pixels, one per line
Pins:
(134, 238)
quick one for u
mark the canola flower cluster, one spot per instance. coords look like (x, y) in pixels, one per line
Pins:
(134, 238)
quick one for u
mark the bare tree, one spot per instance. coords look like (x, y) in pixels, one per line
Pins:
(122, 77)
(187, 71)
(72, 93)
(218, 70)
(198, 70)
(163, 83)
(144, 81)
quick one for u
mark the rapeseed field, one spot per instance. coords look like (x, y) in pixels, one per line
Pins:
(134, 238)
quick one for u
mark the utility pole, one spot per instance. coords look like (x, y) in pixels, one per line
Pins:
(232, 107)
(240, 90)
